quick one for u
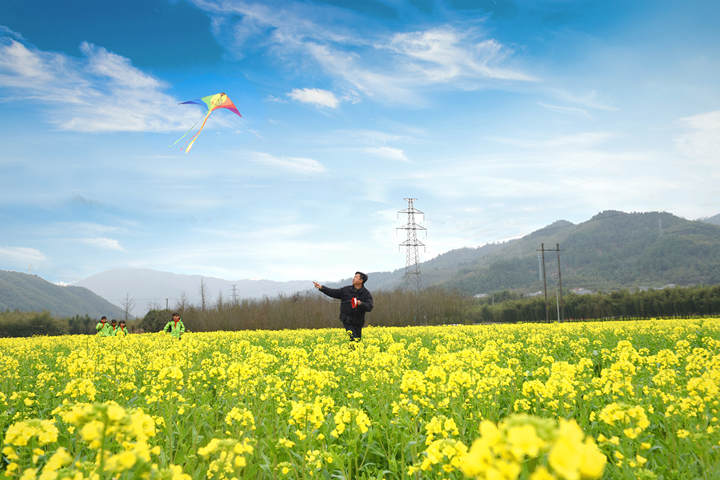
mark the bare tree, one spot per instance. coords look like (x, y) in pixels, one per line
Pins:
(220, 304)
(203, 295)
(182, 303)
(128, 304)
(154, 305)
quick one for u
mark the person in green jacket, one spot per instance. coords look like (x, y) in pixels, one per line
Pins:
(176, 327)
(121, 330)
(103, 328)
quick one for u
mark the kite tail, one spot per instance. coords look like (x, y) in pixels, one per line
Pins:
(185, 134)
(189, 146)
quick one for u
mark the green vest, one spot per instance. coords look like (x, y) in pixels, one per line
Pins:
(104, 330)
(176, 328)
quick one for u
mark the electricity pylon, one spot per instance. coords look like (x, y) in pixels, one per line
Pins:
(412, 269)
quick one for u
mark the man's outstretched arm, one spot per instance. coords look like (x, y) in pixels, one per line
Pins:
(330, 292)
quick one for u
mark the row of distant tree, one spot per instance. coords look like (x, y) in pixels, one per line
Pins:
(431, 306)
(509, 307)
(26, 324)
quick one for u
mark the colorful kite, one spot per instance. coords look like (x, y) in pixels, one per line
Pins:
(213, 102)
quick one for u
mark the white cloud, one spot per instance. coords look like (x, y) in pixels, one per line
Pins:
(590, 100)
(21, 254)
(575, 140)
(295, 164)
(83, 228)
(702, 142)
(117, 69)
(97, 92)
(378, 136)
(384, 84)
(103, 243)
(394, 67)
(276, 258)
(315, 96)
(445, 54)
(390, 153)
(565, 109)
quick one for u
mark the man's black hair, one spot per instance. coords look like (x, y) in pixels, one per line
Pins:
(363, 276)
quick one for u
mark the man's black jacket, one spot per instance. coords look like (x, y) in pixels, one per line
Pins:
(353, 316)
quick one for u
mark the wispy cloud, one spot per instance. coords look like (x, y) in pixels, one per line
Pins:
(294, 164)
(103, 243)
(701, 140)
(97, 92)
(582, 101)
(575, 140)
(389, 153)
(444, 54)
(21, 254)
(389, 66)
(315, 96)
(565, 109)
(379, 136)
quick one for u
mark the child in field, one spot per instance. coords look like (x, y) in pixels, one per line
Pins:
(121, 330)
(103, 328)
(176, 327)
(113, 327)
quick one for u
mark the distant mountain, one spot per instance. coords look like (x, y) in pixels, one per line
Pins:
(611, 250)
(30, 293)
(715, 220)
(150, 288)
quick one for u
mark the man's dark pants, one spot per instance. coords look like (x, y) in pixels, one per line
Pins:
(354, 330)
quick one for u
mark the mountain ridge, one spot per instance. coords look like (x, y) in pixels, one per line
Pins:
(28, 293)
(591, 257)
(154, 288)
(611, 250)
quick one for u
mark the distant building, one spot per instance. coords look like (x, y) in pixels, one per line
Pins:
(581, 291)
(481, 295)
(535, 294)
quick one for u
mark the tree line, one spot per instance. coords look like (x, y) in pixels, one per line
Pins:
(431, 306)
(508, 307)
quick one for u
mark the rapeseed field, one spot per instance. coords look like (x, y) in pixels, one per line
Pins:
(612, 400)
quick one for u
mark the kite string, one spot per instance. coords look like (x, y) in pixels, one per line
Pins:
(189, 146)
(185, 134)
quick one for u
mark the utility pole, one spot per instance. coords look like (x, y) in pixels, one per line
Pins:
(542, 252)
(234, 294)
(558, 292)
(166, 303)
(561, 309)
(411, 243)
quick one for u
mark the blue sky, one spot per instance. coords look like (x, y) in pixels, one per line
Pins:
(500, 117)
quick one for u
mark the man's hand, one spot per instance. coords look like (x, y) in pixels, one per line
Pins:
(317, 285)
(355, 302)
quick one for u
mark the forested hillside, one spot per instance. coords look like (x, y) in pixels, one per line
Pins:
(611, 250)
(30, 293)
